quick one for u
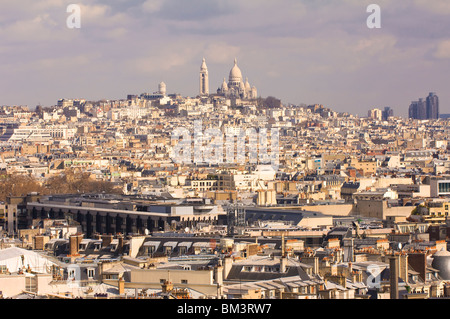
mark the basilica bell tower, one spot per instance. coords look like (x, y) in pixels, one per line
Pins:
(204, 82)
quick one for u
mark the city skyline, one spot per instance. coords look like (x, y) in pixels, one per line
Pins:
(305, 53)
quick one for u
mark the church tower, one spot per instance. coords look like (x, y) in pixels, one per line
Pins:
(204, 82)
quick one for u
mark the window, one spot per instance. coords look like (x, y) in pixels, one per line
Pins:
(91, 273)
(161, 281)
(71, 274)
(30, 284)
(184, 281)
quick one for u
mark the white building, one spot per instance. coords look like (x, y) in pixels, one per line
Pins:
(236, 87)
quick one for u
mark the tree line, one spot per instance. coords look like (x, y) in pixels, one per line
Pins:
(68, 182)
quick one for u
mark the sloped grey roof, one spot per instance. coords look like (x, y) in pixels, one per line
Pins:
(294, 268)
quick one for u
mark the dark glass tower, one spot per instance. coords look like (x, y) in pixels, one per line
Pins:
(387, 112)
(422, 109)
(432, 106)
(418, 110)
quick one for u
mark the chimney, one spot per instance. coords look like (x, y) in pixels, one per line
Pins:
(333, 270)
(348, 249)
(403, 267)
(434, 291)
(38, 242)
(342, 280)
(314, 261)
(228, 263)
(106, 240)
(393, 268)
(74, 244)
(167, 286)
(418, 262)
(218, 273)
(354, 278)
(315, 265)
(283, 264)
(121, 286)
(120, 244)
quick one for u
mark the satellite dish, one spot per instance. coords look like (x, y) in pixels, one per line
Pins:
(186, 229)
(399, 245)
(146, 231)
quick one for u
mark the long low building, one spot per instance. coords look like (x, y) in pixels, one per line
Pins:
(123, 215)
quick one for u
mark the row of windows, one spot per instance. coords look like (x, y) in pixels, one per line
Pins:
(444, 187)
(183, 281)
(439, 214)
(73, 273)
(407, 229)
(261, 269)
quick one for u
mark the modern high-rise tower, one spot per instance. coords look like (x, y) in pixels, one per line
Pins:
(432, 106)
(424, 109)
(418, 110)
(387, 113)
(204, 82)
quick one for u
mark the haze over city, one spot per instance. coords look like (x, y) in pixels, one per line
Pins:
(298, 51)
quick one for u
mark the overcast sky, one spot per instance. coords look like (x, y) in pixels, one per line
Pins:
(301, 51)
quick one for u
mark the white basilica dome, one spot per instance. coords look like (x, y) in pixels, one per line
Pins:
(235, 74)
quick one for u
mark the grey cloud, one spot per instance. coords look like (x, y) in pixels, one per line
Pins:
(301, 51)
(195, 9)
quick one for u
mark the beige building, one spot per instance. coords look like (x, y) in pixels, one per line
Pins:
(367, 167)
(380, 208)
(375, 114)
(201, 281)
(266, 197)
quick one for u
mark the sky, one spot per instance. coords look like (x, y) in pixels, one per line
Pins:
(300, 51)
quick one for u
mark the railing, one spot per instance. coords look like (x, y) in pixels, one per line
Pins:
(80, 283)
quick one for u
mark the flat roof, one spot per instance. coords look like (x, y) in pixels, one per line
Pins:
(97, 209)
